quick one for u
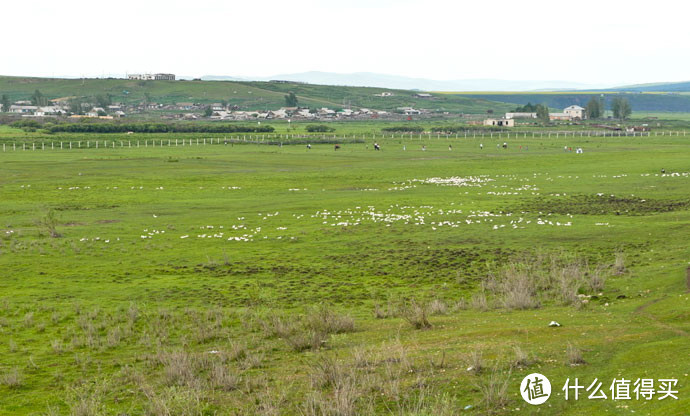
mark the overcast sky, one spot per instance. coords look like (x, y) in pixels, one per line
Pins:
(594, 42)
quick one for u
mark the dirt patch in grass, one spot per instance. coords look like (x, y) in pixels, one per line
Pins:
(73, 224)
(605, 205)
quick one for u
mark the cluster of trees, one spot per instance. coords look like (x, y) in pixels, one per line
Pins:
(37, 98)
(595, 108)
(542, 111)
(104, 100)
(620, 106)
(403, 129)
(155, 128)
(527, 108)
(5, 103)
(30, 125)
(291, 99)
(319, 128)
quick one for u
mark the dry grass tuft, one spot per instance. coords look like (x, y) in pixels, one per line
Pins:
(306, 339)
(573, 355)
(619, 266)
(224, 378)
(494, 391)
(480, 301)
(518, 288)
(324, 319)
(437, 307)
(179, 369)
(417, 315)
(522, 358)
(13, 378)
(475, 363)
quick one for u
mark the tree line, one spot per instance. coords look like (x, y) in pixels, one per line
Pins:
(147, 128)
(596, 108)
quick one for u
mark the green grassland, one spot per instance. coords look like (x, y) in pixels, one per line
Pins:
(248, 279)
(246, 95)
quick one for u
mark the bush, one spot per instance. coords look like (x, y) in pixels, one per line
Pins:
(417, 316)
(403, 129)
(319, 128)
(324, 319)
(48, 224)
(27, 125)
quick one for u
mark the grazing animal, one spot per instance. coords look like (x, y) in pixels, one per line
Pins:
(336, 147)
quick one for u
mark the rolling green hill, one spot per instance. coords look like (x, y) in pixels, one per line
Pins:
(246, 95)
(659, 87)
(640, 101)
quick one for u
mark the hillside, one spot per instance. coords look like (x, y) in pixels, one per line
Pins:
(659, 87)
(246, 95)
(639, 101)
(370, 79)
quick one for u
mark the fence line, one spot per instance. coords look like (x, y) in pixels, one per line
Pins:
(280, 139)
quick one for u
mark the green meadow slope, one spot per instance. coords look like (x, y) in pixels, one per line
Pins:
(639, 101)
(246, 95)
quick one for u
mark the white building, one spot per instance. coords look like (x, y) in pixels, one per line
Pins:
(521, 115)
(304, 112)
(92, 113)
(164, 77)
(409, 111)
(282, 113)
(560, 116)
(141, 77)
(575, 112)
(151, 77)
(499, 122)
(326, 112)
(23, 109)
(49, 111)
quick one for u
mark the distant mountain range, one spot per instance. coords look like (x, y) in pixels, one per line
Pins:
(658, 87)
(369, 79)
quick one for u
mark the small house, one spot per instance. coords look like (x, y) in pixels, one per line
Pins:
(499, 122)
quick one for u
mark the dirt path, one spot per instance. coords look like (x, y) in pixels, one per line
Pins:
(642, 310)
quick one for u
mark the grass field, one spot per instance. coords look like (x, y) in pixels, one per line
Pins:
(274, 280)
